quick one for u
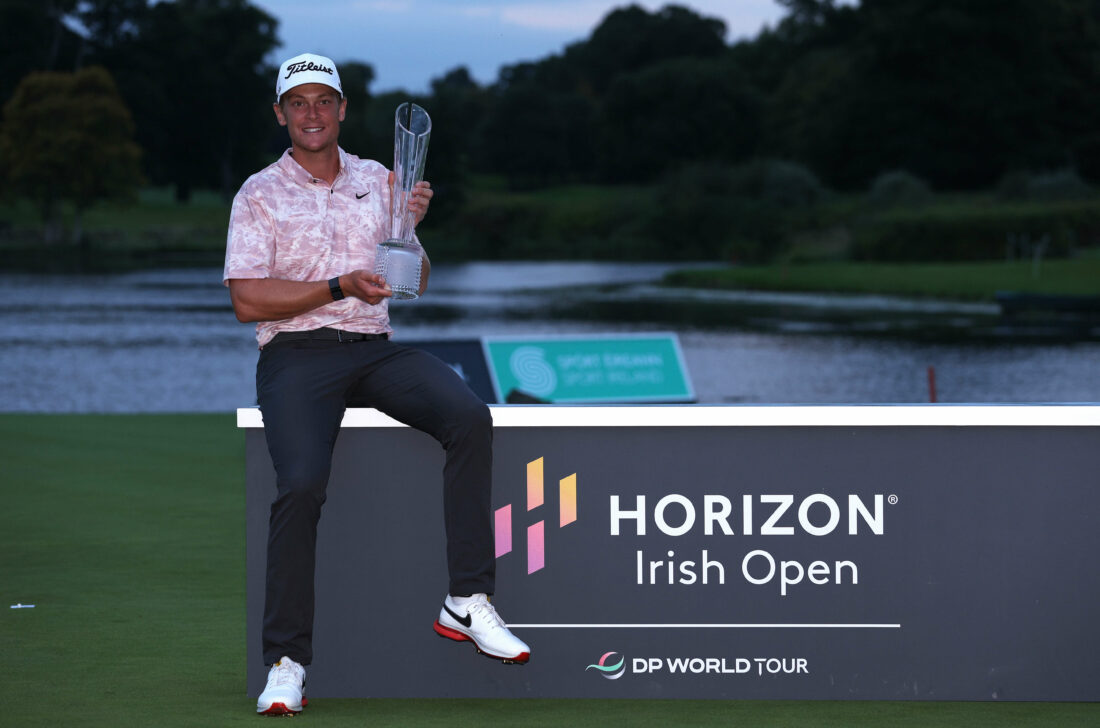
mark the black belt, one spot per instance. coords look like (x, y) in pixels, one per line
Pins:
(326, 335)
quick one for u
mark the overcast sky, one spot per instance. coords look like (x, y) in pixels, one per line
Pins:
(410, 42)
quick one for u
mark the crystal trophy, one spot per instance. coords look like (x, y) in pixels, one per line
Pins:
(399, 258)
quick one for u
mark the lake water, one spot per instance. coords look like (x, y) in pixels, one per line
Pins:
(167, 341)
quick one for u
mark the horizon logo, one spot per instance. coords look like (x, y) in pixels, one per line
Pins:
(608, 668)
(536, 532)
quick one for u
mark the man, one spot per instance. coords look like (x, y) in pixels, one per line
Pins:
(302, 239)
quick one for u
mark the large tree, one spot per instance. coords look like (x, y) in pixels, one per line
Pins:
(357, 132)
(195, 74)
(34, 36)
(958, 93)
(110, 23)
(458, 103)
(537, 133)
(629, 39)
(68, 137)
(546, 120)
(675, 112)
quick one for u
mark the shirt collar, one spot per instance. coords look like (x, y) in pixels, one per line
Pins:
(298, 173)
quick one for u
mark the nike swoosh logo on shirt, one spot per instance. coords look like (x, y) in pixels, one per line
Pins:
(361, 196)
(464, 621)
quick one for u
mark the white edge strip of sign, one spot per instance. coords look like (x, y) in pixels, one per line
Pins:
(921, 415)
(704, 626)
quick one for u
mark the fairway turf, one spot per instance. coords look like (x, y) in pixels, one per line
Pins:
(127, 534)
(963, 281)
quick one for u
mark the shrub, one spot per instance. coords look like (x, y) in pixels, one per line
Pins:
(898, 188)
(977, 232)
(578, 222)
(1062, 184)
(776, 183)
(745, 213)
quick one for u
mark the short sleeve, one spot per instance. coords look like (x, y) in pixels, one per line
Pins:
(250, 247)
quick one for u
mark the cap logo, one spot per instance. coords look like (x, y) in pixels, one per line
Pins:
(305, 66)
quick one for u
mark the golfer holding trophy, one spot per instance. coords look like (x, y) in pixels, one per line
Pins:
(318, 244)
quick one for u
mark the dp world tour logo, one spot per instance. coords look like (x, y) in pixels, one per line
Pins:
(608, 667)
(536, 540)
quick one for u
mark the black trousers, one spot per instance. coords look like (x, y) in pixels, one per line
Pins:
(303, 388)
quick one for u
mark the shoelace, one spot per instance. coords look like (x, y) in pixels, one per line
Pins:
(488, 613)
(285, 674)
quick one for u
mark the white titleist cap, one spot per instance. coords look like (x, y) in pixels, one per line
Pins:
(306, 68)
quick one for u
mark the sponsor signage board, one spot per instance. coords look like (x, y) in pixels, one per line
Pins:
(605, 368)
(743, 559)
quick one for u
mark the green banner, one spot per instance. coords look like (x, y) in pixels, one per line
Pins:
(604, 368)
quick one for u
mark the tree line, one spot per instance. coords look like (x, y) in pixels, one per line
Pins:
(956, 94)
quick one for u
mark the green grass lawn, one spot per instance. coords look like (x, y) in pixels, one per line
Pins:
(966, 281)
(153, 231)
(127, 534)
(154, 206)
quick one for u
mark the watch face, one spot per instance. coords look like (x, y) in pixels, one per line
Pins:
(334, 289)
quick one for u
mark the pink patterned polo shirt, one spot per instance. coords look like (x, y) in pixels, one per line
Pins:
(287, 224)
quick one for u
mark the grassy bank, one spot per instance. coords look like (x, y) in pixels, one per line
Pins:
(578, 222)
(962, 281)
(154, 231)
(127, 534)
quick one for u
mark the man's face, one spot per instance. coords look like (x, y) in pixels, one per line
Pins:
(312, 114)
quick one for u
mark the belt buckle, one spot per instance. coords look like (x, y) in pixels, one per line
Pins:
(340, 336)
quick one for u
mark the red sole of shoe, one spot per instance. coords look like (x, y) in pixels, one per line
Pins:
(451, 634)
(457, 636)
(280, 709)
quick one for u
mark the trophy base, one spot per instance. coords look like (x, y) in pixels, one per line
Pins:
(400, 263)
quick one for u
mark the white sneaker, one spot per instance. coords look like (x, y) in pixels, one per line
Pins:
(285, 693)
(474, 619)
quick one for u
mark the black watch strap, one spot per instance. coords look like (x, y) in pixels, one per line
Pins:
(334, 288)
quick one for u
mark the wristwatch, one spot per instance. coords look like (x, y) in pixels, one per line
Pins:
(334, 288)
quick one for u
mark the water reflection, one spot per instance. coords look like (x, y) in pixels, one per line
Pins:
(161, 341)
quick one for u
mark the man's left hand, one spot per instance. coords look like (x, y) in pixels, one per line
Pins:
(419, 200)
